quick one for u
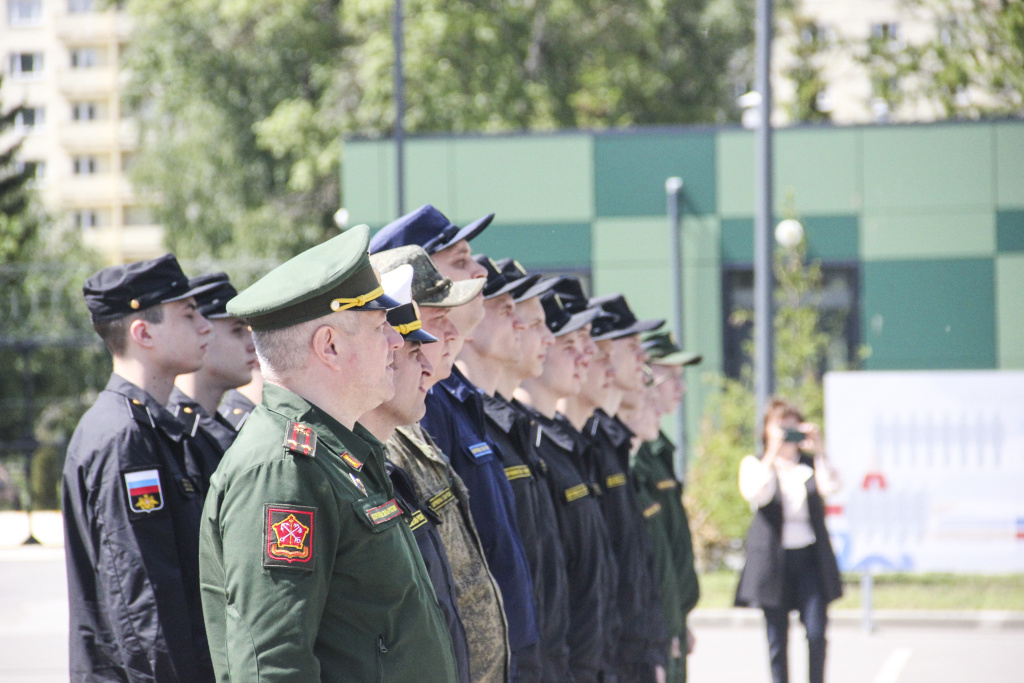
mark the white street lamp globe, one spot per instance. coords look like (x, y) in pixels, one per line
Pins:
(789, 233)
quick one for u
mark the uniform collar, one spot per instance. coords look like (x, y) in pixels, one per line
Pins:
(501, 412)
(459, 387)
(161, 417)
(415, 435)
(618, 433)
(180, 398)
(558, 431)
(329, 432)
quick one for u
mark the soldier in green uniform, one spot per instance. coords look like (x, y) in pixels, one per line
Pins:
(662, 500)
(308, 570)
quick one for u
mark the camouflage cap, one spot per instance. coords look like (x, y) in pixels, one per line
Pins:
(430, 289)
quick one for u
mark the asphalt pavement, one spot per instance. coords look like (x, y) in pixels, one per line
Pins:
(962, 647)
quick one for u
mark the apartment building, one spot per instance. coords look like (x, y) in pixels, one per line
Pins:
(60, 60)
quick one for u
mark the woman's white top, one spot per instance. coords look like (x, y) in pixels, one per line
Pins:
(758, 484)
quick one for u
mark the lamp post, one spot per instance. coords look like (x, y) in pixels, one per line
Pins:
(764, 362)
(399, 107)
(673, 186)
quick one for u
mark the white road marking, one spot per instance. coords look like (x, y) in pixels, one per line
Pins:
(893, 666)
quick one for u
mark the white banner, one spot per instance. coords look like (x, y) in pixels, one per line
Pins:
(933, 470)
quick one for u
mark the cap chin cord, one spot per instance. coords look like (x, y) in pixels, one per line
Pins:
(341, 303)
(409, 327)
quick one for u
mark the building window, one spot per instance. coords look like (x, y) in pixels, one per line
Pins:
(80, 6)
(36, 169)
(84, 58)
(86, 218)
(25, 12)
(25, 65)
(84, 111)
(887, 33)
(85, 165)
(839, 307)
(30, 119)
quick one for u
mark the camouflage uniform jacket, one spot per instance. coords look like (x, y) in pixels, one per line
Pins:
(478, 595)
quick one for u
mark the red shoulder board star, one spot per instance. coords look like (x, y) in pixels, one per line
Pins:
(288, 536)
(300, 439)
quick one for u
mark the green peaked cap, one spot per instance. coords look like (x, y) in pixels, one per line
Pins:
(333, 276)
(662, 349)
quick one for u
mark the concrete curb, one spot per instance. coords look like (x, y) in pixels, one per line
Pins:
(995, 620)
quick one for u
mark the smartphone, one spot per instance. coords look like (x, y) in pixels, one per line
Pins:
(794, 436)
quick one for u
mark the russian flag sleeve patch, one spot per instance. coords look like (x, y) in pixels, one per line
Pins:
(144, 491)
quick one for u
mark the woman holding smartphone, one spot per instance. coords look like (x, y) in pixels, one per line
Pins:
(790, 563)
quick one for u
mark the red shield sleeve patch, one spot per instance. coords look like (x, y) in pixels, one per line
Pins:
(288, 536)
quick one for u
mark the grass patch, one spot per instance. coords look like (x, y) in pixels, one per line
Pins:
(899, 591)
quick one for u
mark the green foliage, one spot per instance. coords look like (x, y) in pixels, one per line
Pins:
(802, 344)
(244, 104)
(810, 50)
(18, 223)
(971, 66)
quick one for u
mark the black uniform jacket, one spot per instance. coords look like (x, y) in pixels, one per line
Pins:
(590, 564)
(510, 426)
(131, 526)
(761, 583)
(235, 408)
(423, 523)
(643, 636)
(211, 435)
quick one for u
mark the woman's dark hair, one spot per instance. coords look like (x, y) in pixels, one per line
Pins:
(779, 409)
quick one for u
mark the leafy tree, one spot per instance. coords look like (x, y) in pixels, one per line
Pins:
(17, 223)
(244, 104)
(720, 515)
(811, 47)
(972, 64)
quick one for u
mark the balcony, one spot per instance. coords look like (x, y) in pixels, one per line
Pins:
(99, 189)
(129, 243)
(93, 82)
(94, 27)
(99, 136)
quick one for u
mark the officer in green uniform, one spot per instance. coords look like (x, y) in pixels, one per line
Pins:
(308, 570)
(661, 496)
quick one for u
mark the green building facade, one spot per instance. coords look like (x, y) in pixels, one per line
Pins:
(922, 224)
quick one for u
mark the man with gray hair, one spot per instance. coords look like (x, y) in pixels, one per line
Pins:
(309, 570)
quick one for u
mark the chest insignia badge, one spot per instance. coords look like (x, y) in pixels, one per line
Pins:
(357, 482)
(351, 461)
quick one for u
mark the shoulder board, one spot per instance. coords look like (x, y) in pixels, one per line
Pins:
(651, 510)
(236, 417)
(576, 492)
(300, 439)
(188, 417)
(518, 472)
(417, 520)
(614, 480)
(666, 484)
(139, 411)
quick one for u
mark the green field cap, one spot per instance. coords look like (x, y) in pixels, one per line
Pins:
(330, 277)
(662, 349)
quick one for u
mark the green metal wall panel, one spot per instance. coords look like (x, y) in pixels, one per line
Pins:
(637, 242)
(630, 172)
(928, 167)
(1009, 288)
(829, 238)
(929, 314)
(933, 234)
(1009, 165)
(430, 176)
(1010, 228)
(734, 163)
(818, 170)
(545, 246)
(368, 182)
(542, 179)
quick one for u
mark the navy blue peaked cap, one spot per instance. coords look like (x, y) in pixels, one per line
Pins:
(427, 227)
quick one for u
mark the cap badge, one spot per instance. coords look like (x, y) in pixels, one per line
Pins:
(288, 537)
(134, 303)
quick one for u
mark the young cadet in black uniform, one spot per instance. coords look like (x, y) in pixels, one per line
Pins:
(237, 404)
(590, 565)
(228, 364)
(411, 373)
(131, 507)
(486, 357)
(642, 647)
(455, 420)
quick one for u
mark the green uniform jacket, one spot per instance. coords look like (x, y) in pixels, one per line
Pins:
(662, 502)
(308, 569)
